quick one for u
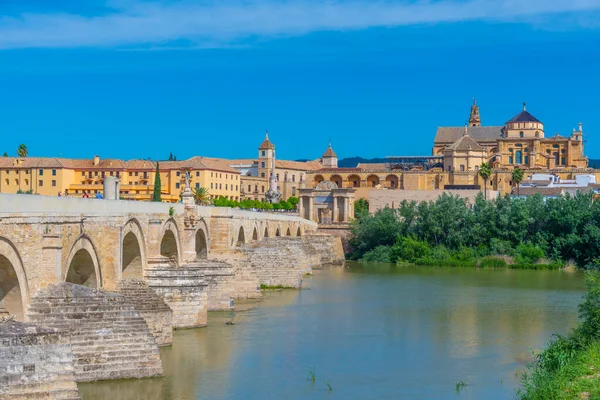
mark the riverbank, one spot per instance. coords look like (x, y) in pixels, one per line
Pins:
(569, 367)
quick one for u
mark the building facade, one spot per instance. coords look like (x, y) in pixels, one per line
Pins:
(458, 153)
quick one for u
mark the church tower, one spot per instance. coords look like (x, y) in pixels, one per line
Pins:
(329, 158)
(266, 157)
(474, 119)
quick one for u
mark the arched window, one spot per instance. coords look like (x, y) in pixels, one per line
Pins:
(519, 157)
(537, 134)
(521, 134)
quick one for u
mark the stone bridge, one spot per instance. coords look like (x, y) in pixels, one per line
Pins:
(100, 243)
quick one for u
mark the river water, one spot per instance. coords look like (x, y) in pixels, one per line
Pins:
(370, 331)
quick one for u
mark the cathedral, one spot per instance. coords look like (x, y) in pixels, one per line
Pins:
(520, 142)
(458, 153)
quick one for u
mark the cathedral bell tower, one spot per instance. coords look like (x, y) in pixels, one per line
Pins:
(266, 157)
(474, 119)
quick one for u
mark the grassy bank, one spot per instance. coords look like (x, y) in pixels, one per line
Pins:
(274, 287)
(569, 367)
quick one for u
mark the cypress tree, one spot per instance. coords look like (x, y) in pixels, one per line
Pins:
(156, 196)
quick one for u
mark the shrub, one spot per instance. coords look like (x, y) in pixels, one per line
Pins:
(528, 254)
(409, 249)
(493, 262)
(378, 254)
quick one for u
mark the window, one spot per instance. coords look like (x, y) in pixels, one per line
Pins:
(225, 186)
(537, 134)
(563, 161)
(197, 185)
(262, 164)
(236, 188)
(41, 172)
(53, 182)
(136, 174)
(476, 169)
(526, 159)
(277, 176)
(263, 154)
(519, 157)
(111, 173)
(293, 178)
(211, 185)
(262, 175)
(145, 175)
(521, 134)
(562, 151)
(103, 174)
(555, 146)
(41, 183)
(220, 176)
(177, 185)
(293, 191)
(249, 188)
(178, 173)
(211, 174)
(510, 160)
(130, 173)
(225, 176)
(255, 188)
(556, 158)
(117, 174)
(197, 173)
(53, 172)
(263, 189)
(26, 172)
(220, 186)
(462, 169)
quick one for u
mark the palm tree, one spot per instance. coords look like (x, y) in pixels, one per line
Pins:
(517, 177)
(485, 171)
(201, 196)
(22, 150)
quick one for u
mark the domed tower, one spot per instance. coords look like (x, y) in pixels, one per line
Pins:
(266, 157)
(524, 125)
(329, 158)
(474, 118)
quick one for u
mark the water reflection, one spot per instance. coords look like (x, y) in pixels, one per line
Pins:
(371, 332)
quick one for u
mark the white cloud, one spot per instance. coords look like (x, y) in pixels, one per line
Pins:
(130, 23)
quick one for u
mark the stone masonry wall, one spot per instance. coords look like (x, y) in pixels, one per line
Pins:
(152, 308)
(109, 338)
(35, 363)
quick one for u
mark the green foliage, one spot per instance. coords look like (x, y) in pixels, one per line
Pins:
(157, 185)
(493, 262)
(569, 364)
(361, 207)
(408, 249)
(201, 196)
(530, 229)
(248, 204)
(293, 200)
(274, 287)
(22, 150)
(485, 171)
(517, 176)
(30, 191)
(171, 211)
(378, 254)
(5, 154)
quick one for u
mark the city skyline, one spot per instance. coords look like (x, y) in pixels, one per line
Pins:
(375, 84)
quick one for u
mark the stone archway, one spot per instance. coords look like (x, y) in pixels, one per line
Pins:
(266, 232)
(170, 244)
(201, 245)
(241, 237)
(337, 179)
(133, 254)
(83, 264)
(278, 232)
(299, 232)
(318, 179)
(391, 182)
(14, 290)
(372, 180)
(255, 234)
(289, 232)
(354, 181)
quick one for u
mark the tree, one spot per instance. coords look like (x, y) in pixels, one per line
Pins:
(170, 156)
(361, 207)
(485, 171)
(517, 177)
(201, 196)
(5, 154)
(22, 150)
(157, 185)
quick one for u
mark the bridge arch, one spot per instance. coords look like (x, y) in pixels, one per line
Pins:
(134, 257)
(299, 232)
(289, 232)
(170, 243)
(266, 234)
(201, 244)
(278, 231)
(255, 234)
(241, 239)
(14, 291)
(83, 263)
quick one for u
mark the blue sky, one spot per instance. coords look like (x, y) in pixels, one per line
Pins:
(137, 79)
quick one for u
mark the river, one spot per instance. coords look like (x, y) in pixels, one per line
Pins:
(369, 331)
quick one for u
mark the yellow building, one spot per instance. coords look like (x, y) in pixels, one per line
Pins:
(76, 177)
(458, 153)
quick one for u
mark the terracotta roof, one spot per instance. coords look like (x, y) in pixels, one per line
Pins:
(141, 164)
(447, 135)
(266, 144)
(89, 163)
(338, 170)
(544, 191)
(199, 163)
(329, 153)
(298, 165)
(50, 162)
(465, 143)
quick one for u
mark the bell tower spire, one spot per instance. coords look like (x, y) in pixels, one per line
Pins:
(474, 119)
